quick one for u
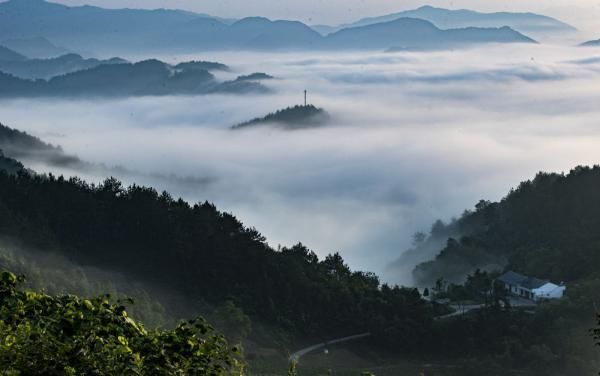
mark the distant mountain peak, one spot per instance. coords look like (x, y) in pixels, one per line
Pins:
(462, 18)
(253, 20)
(26, 1)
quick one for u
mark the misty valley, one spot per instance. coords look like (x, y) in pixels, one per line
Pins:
(357, 188)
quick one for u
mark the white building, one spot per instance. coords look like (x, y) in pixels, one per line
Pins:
(531, 288)
(549, 291)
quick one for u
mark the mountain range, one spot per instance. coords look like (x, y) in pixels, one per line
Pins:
(532, 24)
(149, 77)
(111, 30)
(48, 68)
(412, 33)
(35, 47)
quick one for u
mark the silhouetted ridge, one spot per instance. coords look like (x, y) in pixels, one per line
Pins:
(48, 68)
(114, 78)
(23, 146)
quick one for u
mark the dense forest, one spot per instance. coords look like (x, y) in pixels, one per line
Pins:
(546, 227)
(205, 255)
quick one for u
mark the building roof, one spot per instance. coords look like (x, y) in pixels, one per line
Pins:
(533, 283)
(512, 278)
(516, 279)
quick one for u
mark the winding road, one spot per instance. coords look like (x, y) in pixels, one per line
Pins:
(295, 357)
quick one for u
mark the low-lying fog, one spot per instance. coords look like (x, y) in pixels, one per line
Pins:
(415, 137)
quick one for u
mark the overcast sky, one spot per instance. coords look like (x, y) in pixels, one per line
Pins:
(582, 13)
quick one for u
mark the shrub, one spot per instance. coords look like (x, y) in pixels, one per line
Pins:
(68, 335)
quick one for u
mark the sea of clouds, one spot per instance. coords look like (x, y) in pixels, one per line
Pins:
(414, 137)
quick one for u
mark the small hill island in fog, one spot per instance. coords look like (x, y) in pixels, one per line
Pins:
(592, 43)
(291, 118)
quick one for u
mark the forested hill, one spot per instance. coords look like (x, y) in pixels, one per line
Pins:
(206, 255)
(23, 146)
(149, 77)
(547, 227)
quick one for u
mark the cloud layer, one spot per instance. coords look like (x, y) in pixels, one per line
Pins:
(415, 137)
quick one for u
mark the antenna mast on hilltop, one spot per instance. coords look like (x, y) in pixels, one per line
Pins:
(304, 97)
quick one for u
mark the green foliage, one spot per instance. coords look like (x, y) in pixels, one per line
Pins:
(292, 371)
(68, 335)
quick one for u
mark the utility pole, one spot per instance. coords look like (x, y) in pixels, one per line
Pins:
(304, 97)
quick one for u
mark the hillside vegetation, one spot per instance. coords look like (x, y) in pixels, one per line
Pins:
(206, 255)
(546, 227)
(68, 335)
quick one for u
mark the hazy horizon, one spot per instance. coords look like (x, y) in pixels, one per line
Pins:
(583, 14)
